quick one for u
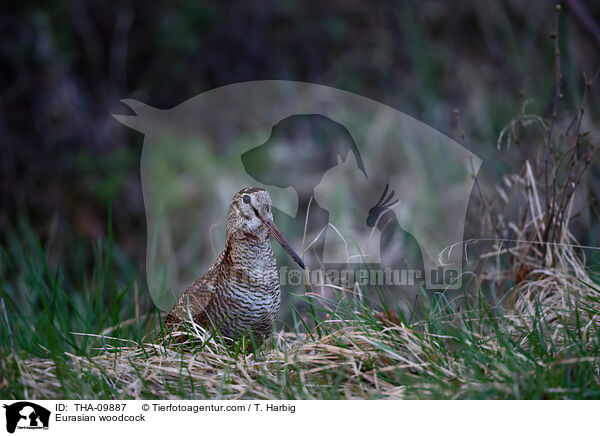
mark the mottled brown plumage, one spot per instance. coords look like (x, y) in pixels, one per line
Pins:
(240, 293)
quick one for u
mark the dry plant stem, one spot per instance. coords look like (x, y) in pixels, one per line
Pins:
(588, 86)
(548, 148)
(573, 179)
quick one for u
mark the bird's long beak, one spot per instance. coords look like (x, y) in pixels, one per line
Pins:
(274, 231)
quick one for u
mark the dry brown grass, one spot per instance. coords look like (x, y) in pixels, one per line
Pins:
(356, 354)
(141, 371)
(546, 276)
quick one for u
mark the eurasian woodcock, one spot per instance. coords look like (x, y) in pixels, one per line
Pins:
(240, 293)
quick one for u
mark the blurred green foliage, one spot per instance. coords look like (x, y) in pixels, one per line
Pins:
(64, 66)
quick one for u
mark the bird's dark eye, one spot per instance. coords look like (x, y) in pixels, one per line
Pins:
(246, 199)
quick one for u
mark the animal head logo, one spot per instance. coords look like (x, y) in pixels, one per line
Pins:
(26, 415)
(342, 171)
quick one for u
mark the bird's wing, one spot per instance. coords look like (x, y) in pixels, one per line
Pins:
(194, 302)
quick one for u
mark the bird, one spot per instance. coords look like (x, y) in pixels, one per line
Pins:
(240, 293)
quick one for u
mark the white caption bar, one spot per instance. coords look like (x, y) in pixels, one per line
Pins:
(153, 417)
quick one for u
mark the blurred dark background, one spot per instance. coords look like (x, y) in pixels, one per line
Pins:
(64, 65)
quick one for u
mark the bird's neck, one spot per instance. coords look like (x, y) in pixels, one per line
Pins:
(247, 254)
(248, 262)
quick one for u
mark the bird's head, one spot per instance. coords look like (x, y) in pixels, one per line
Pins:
(250, 217)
